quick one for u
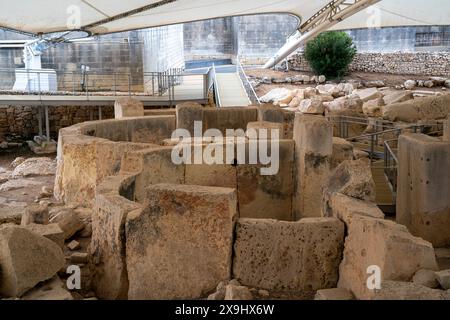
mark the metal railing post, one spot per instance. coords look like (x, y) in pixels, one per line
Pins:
(47, 124)
(115, 84)
(129, 85)
(73, 82)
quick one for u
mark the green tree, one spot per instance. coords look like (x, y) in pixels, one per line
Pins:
(330, 54)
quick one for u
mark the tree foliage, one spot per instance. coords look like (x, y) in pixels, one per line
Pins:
(330, 54)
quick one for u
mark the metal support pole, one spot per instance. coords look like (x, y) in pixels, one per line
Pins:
(47, 124)
(40, 121)
(115, 84)
(129, 85)
(100, 113)
(73, 82)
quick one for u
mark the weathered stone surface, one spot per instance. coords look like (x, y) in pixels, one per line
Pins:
(35, 167)
(334, 294)
(177, 247)
(368, 94)
(211, 174)
(237, 293)
(50, 231)
(344, 207)
(342, 150)
(128, 107)
(312, 106)
(354, 179)
(397, 96)
(410, 84)
(79, 258)
(73, 245)
(397, 290)
(152, 166)
(288, 256)
(16, 184)
(447, 129)
(35, 214)
(267, 196)
(381, 243)
(423, 192)
(313, 136)
(347, 103)
(52, 290)
(373, 108)
(266, 130)
(426, 278)
(9, 216)
(271, 113)
(108, 237)
(427, 108)
(69, 222)
(25, 260)
(443, 277)
(275, 95)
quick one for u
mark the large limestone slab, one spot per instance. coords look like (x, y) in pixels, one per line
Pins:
(384, 244)
(180, 245)
(342, 150)
(288, 256)
(267, 196)
(108, 237)
(25, 260)
(354, 179)
(271, 113)
(427, 108)
(313, 136)
(152, 166)
(397, 290)
(423, 192)
(128, 107)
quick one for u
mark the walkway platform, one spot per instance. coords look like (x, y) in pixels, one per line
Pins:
(231, 90)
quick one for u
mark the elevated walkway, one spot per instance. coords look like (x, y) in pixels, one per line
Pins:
(231, 91)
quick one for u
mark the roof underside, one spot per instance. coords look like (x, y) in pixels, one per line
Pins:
(103, 16)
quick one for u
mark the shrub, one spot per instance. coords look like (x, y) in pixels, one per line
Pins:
(330, 54)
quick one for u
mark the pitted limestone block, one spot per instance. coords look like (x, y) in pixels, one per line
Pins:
(228, 118)
(397, 290)
(341, 206)
(50, 231)
(25, 260)
(368, 94)
(151, 129)
(313, 136)
(271, 113)
(352, 178)
(180, 245)
(216, 171)
(447, 130)
(152, 166)
(288, 256)
(265, 130)
(427, 108)
(342, 150)
(187, 114)
(267, 196)
(384, 244)
(112, 130)
(128, 107)
(423, 193)
(108, 237)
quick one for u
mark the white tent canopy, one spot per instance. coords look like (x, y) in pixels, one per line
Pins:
(108, 16)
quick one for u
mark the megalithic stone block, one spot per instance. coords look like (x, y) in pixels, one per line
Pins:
(423, 193)
(313, 136)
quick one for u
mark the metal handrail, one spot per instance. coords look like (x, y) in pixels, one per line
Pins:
(216, 87)
(252, 94)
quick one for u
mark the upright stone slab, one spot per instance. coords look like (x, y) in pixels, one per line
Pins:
(313, 136)
(376, 243)
(187, 114)
(180, 245)
(266, 196)
(288, 256)
(423, 194)
(128, 107)
(107, 248)
(26, 259)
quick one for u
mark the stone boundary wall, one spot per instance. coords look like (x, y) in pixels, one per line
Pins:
(416, 63)
(22, 121)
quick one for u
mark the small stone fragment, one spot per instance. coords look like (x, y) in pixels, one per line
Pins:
(233, 292)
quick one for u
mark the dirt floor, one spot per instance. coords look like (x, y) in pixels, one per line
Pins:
(391, 80)
(25, 195)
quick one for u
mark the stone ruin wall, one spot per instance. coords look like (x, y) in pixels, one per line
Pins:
(145, 204)
(417, 63)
